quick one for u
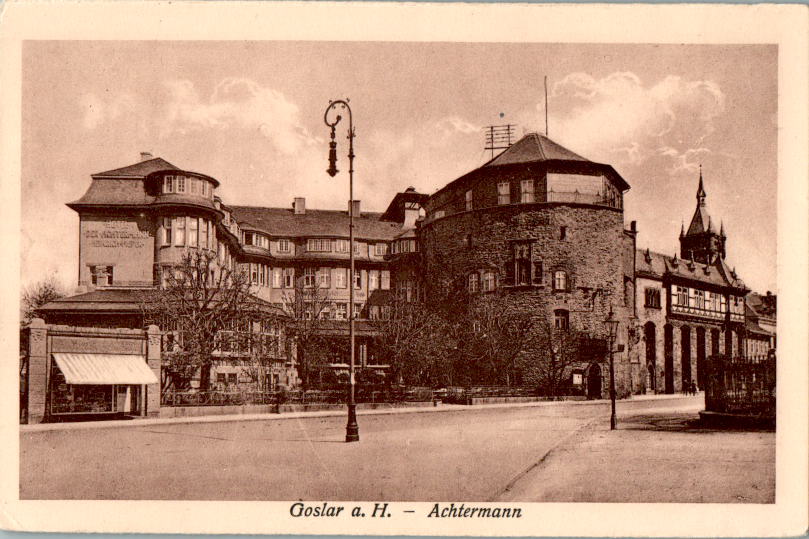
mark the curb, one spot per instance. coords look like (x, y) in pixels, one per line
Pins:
(134, 423)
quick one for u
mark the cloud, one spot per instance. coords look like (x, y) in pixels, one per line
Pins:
(237, 103)
(98, 111)
(620, 118)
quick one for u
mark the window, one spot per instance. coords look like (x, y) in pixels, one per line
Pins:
(373, 279)
(204, 186)
(562, 232)
(357, 246)
(560, 280)
(340, 313)
(504, 193)
(168, 184)
(384, 280)
(166, 230)
(203, 234)
(289, 277)
(193, 230)
(469, 200)
(318, 245)
(474, 280)
(283, 246)
(276, 277)
(357, 310)
(193, 185)
(489, 281)
(522, 263)
(309, 277)
(652, 297)
(439, 214)
(538, 273)
(723, 304)
(179, 226)
(254, 273)
(561, 319)
(248, 238)
(231, 378)
(340, 278)
(526, 191)
(181, 184)
(101, 275)
(373, 312)
(341, 246)
(324, 278)
(357, 279)
(699, 299)
(381, 249)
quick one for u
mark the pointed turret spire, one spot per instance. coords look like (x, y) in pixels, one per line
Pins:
(682, 228)
(700, 190)
(722, 229)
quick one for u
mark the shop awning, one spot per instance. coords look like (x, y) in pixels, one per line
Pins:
(104, 369)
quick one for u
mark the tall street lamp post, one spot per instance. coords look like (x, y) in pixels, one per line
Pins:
(611, 325)
(352, 428)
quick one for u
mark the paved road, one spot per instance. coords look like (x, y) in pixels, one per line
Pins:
(474, 454)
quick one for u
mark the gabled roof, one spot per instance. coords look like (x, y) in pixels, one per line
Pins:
(658, 265)
(534, 147)
(283, 222)
(138, 170)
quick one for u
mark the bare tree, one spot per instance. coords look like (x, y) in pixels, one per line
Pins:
(307, 306)
(413, 340)
(497, 333)
(554, 353)
(38, 295)
(210, 307)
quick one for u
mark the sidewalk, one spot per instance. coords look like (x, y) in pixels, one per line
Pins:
(660, 457)
(44, 427)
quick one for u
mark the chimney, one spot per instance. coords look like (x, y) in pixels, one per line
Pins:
(299, 206)
(354, 205)
(145, 156)
(633, 226)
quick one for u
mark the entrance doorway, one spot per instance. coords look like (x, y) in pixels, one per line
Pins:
(651, 355)
(701, 357)
(594, 381)
(685, 359)
(668, 358)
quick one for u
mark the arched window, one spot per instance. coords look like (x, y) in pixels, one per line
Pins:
(560, 280)
(561, 319)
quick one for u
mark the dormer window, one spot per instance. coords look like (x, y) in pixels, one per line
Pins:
(180, 184)
(168, 184)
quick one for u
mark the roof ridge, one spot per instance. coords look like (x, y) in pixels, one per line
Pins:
(538, 141)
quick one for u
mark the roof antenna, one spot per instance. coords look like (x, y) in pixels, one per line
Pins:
(546, 105)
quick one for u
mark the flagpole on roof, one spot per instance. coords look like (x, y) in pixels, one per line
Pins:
(546, 105)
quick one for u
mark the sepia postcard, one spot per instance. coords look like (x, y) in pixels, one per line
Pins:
(404, 269)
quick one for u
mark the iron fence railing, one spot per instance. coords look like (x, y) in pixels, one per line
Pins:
(462, 395)
(741, 385)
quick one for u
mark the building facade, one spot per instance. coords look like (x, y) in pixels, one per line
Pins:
(538, 225)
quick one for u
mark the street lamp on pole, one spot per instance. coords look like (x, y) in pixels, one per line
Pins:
(352, 428)
(611, 325)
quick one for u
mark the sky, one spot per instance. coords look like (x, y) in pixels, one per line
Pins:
(251, 115)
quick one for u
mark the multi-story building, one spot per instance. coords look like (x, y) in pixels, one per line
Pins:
(537, 224)
(136, 222)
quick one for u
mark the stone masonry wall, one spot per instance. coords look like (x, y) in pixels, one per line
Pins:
(590, 252)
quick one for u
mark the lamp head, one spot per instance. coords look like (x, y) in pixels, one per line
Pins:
(611, 324)
(332, 170)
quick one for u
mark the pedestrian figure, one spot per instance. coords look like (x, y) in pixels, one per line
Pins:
(693, 388)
